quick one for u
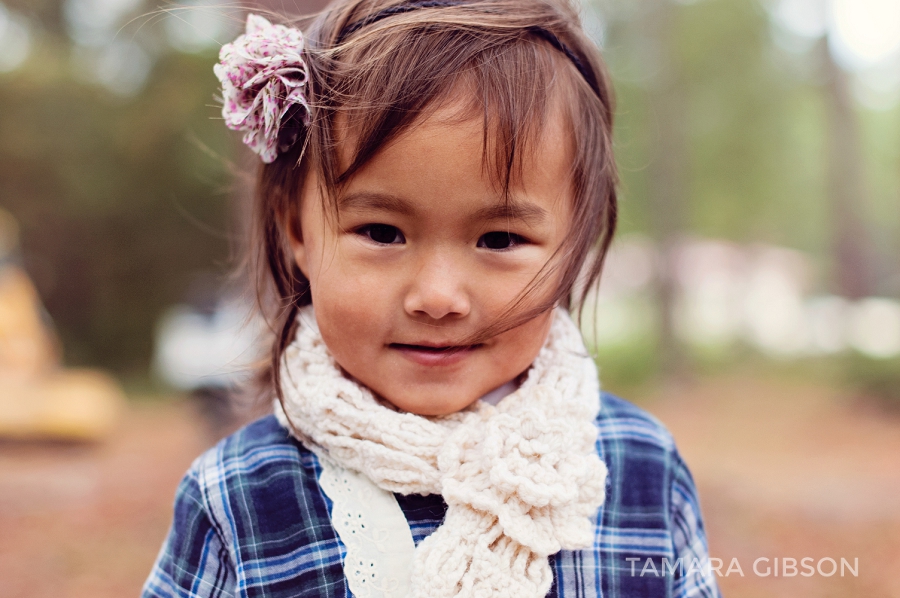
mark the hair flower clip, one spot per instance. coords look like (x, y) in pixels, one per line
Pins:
(263, 74)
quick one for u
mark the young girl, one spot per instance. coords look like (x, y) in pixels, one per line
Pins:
(437, 183)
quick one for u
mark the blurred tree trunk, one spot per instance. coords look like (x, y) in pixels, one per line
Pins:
(850, 244)
(668, 172)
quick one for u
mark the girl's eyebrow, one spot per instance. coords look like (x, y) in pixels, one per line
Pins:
(512, 210)
(509, 210)
(366, 200)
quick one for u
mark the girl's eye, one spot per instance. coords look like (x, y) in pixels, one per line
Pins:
(384, 234)
(499, 240)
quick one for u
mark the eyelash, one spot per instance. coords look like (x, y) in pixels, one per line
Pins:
(513, 239)
(484, 241)
(367, 230)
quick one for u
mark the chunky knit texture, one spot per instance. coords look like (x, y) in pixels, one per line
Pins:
(522, 480)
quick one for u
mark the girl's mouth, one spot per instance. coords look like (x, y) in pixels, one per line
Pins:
(434, 355)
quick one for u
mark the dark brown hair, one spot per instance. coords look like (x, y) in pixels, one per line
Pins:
(380, 66)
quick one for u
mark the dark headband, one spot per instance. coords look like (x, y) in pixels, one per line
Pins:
(398, 9)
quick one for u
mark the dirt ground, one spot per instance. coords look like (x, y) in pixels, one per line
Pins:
(784, 470)
(792, 470)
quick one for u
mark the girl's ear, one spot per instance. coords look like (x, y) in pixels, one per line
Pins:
(298, 248)
(293, 221)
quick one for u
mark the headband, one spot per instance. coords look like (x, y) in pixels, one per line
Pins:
(263, 76)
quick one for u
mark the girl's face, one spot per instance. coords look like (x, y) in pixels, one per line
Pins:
(426, 254)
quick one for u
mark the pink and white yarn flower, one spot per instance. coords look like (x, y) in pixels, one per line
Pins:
(263, 76)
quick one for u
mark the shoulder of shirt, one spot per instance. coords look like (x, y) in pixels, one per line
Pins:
(258, 491)
(622, 421)
(648, 481)
(252, 453)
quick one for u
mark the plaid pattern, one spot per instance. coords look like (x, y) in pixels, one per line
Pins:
(251, 520)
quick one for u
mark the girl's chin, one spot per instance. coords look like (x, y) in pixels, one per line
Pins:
(430, 406)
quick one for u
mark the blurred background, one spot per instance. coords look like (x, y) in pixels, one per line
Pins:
(751, 301)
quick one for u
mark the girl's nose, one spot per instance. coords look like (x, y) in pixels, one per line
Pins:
(438, 290)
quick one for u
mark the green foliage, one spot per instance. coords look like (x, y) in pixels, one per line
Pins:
(119, 204)
(752, 128)
(877, 379)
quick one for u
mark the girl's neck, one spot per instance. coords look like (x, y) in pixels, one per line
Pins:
(495, 396)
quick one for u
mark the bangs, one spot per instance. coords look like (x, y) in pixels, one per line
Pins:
(398, 80)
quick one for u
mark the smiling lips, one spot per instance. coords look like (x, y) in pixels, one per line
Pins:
(432, 355)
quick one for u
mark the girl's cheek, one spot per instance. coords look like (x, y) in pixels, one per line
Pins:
(356, 285)
(344, 325)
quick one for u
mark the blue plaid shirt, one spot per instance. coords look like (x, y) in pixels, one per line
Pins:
(251, 520)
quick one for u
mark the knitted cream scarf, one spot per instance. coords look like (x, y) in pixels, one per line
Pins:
(522, 480)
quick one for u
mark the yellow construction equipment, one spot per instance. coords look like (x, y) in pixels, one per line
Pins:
(39, 398)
